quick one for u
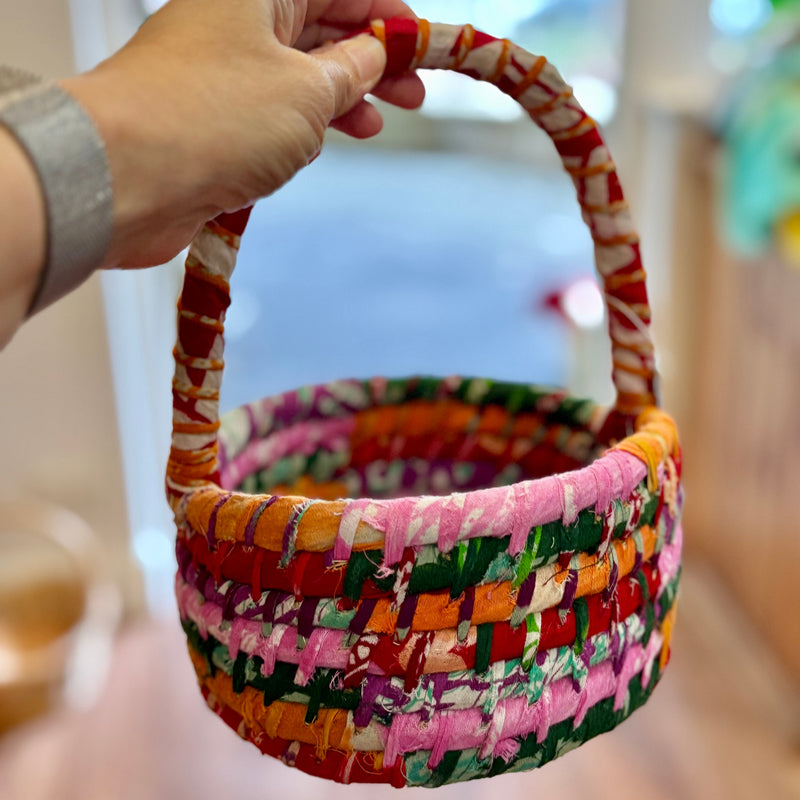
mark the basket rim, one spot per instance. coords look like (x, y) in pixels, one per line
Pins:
(286, 523)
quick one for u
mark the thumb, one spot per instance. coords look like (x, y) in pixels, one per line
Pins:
(354, 67)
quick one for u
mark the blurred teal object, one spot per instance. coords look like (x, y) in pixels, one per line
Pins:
(761, 178)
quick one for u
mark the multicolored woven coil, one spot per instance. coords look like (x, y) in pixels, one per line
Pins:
(501, 585)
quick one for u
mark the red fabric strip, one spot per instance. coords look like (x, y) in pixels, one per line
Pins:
(186, 406)
(507, 642)
(540, 461)
(197, 339)
(336, 766)
(580, 146)
(482, 39)
(401, 45)
(235, 221)
(203, 297)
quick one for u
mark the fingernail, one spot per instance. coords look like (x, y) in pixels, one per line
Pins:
(369, 57)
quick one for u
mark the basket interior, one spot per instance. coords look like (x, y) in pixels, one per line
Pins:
(414, 437)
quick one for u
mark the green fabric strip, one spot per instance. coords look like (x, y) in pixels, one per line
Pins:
(561, 738)
(487, 560)
(278, 686)
(581, 609)
(557, 663)
(329, 613)
(483, 647)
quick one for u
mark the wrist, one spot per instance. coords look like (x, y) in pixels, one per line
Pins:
(66, 155)
(109, 103)
(24, 248)
(148, 161)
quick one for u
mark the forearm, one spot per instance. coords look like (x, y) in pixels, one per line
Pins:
(205, 110)
(23, 235)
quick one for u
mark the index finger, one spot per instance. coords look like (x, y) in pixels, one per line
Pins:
(355, 12)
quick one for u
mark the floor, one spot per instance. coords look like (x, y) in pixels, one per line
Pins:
(721, 725)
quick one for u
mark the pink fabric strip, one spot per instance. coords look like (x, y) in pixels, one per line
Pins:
(332, 652)
(501, 511)
(465, 730)
(669, 559)
(303, 438)
(348, 525)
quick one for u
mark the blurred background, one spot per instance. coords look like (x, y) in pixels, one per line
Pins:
(700, 102)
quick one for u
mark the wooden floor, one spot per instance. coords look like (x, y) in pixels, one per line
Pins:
(721, 725)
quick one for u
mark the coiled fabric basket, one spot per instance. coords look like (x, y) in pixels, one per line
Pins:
(508, 589)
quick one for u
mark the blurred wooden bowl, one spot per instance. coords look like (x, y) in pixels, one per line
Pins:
(47, 560)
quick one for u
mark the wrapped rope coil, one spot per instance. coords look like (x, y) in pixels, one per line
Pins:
(422, 581)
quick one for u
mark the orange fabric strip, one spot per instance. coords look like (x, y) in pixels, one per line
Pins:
(423, 40)
(198, 457)
(630, 402)
(496, 602)
(206, 364)
(589, 172)
(632, 348)
(308, 487)
(421, 417)
(574, 131)
(656, 440)
(467, 39)
(642, 371)
(231, 239)
(195, 427)
(379, 31)
(614, 241)
(280, 719)
(316, 531)
(502, 62)
(207, 322)
(545, 108)
(624, 279)
(529, 79)
(195, 392)
(196, 270)
(613, 208)
(666, 629)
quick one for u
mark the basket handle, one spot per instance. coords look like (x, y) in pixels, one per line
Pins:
(542, 92)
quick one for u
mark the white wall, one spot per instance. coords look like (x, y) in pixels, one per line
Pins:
(59, 439)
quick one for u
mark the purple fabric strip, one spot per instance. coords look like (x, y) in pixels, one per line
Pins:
(238, 594)
(526, 590)
(465, 613)
(515, 717)
(362, 616)
(613, 578)
(290, 532)
(212, 520)
(252, 523)
(268, 614)
(570, 590)
(305, 619)
(406, 616)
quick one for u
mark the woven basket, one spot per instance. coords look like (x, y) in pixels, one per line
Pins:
(507, 592)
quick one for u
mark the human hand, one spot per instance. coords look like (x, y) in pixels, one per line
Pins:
(214, 104)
